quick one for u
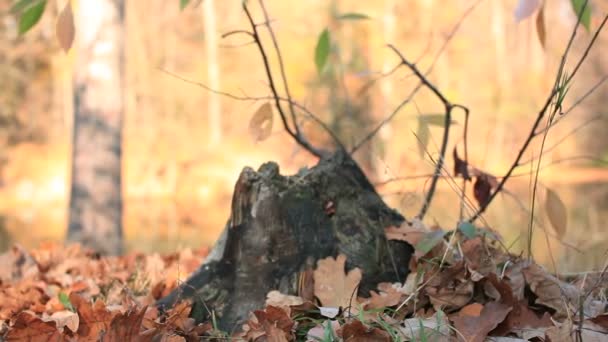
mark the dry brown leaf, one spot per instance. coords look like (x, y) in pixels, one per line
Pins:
(274, 322)
(356, 331)
(473, 309)
(126, 327)
(451, 298)
(333, 287)
(550, 291)
(260, 125)
(477, 328)
(65, 27)
(95, 319)
(17, 264)
(515, 278)
(317, 333)
(561, 333)
(64, 318)
(540, 26)
(276, 298)
(524, 322)
(557, 213)
(410, 233)
(478, 257)
(450, 289)
(435, 328)
(28, 327)
(388, 296)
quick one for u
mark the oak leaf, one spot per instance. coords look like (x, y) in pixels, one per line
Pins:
(333, 287)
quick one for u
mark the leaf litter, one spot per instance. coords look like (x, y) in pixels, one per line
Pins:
(468, 290)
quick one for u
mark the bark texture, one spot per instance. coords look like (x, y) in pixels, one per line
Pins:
(281, 225)
(95, 217)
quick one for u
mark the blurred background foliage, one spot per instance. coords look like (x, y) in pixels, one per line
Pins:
(181, 160)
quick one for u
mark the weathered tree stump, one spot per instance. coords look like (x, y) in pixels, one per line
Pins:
(281, 225)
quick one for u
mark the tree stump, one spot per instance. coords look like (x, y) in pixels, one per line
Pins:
(280, 226)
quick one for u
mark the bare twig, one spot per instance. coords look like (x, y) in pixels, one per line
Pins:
(446, 130)
(394, 113)
(281, 66)
(562, 139)
(541, 114)
(299, 138)
(297, 105)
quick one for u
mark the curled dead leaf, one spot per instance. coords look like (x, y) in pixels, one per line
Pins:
(260, 125)
(551, 291)
(476, 326)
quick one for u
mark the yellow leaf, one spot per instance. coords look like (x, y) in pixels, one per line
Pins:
(540, 26)
(556, 211)
(65, 27)
(260, 125)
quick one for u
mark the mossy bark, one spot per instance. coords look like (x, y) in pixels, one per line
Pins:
(281, 225)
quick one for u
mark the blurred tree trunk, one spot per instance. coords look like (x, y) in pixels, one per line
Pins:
(95, 217)
(213, 73)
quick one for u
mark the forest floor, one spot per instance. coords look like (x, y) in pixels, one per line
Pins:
(463, 286)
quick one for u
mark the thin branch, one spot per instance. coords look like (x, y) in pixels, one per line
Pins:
(245, 97)
(539, 118)
(446, 130)
(589, 92)
(562, 139)
(281, 66)
(297, 137)
(394, 113)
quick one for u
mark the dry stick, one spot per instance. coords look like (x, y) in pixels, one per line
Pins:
(394, 113)
(446, 131)
(531, 135)
(277, 102)
(550, 119)
(575, 104)
(245, 97)
(562, 139)
(281, 66)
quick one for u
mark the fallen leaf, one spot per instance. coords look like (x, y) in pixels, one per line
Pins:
(28, 327)
(387, 297)
(411, 233)
(333, 287)
(473, 309)
(17, 264)
(126, 327)
(260, 125)
(317, 333)
(276, 298)
(550, 291)
(451, 289)
(64, 318)
(433, 328)
(356, 331)
(94, 319)
(476, 328)
(329, 311)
